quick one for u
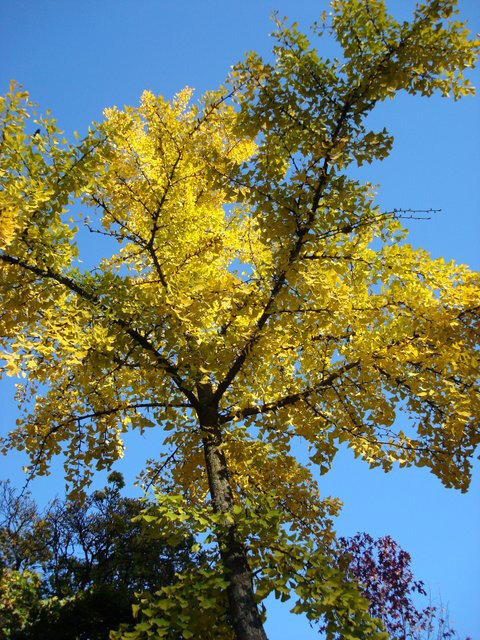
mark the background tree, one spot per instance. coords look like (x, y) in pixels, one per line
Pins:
(21, 530)
(19, 597)
(383, 569)
(93, 557)
(258, 295)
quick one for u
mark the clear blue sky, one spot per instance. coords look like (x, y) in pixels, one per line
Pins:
(79, 57)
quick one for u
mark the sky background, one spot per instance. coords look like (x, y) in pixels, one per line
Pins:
(77, 58)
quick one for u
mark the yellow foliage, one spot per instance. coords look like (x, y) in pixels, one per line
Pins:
(249, 264)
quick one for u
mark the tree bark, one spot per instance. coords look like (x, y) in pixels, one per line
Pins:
(242, 608)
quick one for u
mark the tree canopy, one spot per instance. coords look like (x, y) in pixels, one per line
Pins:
(258, 295)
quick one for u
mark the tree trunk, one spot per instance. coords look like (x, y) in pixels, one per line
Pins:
(242, 608)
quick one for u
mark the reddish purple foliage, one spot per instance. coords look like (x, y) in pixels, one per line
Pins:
(383, 570)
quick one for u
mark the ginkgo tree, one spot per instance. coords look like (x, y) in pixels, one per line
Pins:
(258, 295)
